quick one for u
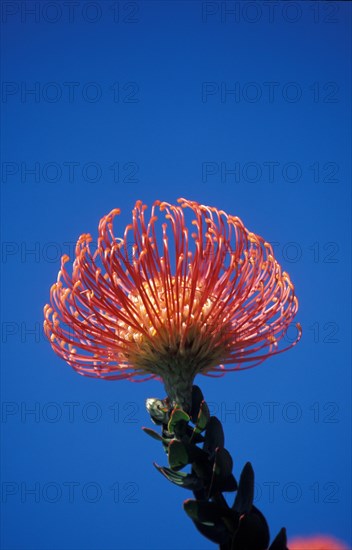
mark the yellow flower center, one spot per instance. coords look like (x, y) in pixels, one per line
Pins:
(176, 329)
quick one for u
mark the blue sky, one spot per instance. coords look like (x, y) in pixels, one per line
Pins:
(239, 105)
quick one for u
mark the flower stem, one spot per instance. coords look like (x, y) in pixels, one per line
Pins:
(178, 386)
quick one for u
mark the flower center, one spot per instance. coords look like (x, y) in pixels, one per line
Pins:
(177, 337)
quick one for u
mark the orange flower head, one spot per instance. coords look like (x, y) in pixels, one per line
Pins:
(170, 304)
(318, 542)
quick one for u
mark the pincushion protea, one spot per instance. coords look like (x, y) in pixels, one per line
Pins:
(143, 307)
(318, 542)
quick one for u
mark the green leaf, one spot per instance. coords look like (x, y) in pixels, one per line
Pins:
(203, 418)
(244, 498)
(217, 533)
(214, 435)
(223, 463)
(252, 532)
(178, 455)
(207, 513)
(197, 398)
(193, 436)
(177, 416)
(187, 481)
(222, 478)
(152, 434)
(280, 541)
